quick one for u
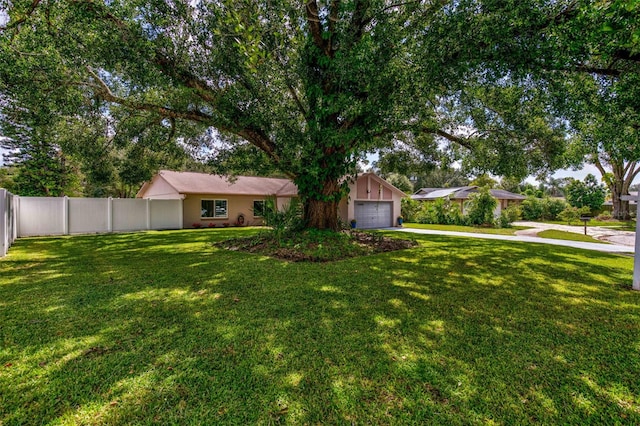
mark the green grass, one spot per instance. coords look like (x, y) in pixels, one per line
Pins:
(473, 229)
(571, 236)
(164, 328)
(616, 224)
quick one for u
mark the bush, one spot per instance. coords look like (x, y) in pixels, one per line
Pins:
(410, 208)
(440, 212)
(480, 207)
(542, 208)
(604, 216)
(532, 208)
(552, 208)
(514, 212)
(282, 221)
(572, 214)
(503, 220)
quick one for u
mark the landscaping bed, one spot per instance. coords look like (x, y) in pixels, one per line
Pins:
(317, 246)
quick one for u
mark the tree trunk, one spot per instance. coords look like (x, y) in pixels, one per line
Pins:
(321, 212)
(620, 207)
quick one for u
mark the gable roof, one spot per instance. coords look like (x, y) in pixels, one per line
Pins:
(462, 193)
(205, 183)
(383, 182)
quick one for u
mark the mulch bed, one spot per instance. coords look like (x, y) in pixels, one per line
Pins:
(298, 248)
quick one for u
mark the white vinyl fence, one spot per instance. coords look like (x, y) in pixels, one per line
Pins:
(39, 216)
(8, 220)
(62, 216)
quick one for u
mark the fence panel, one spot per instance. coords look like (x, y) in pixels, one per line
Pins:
(129, 214)
(61, 216)
(42, 216)
(88, 215)
(166, 214)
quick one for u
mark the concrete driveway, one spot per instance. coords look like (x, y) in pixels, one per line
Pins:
(607, 248)
(625, 238)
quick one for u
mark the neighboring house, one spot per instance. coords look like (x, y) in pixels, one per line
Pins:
(212, 199)
(633, 204)
(461, 194)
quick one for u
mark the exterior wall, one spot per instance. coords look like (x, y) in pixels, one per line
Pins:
(369, 188)
(236, 205)
(160, 189)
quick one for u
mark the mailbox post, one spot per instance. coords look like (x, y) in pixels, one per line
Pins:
(636, 256)
(585, 219)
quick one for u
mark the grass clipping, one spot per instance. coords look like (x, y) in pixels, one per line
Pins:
(317, 246)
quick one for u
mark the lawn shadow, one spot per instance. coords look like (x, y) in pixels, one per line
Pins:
(163, 327)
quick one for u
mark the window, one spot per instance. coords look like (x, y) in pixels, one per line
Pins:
(258, 208)
(213, 209)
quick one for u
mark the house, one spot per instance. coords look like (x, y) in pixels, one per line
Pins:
(633, 204)
(212, 200)
(373, 202)
(461, 194)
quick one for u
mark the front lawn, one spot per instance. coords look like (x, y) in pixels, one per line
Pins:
(166, 328)
(570, 236)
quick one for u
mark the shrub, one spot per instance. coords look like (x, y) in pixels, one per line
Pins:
(542, 208)
(282, 221)
(553, 207)
(513, 212)
(196, 225)
(503, 220)
(410, 209)
(604, 216)
(532, 208)
(480, 207)
(571, 214)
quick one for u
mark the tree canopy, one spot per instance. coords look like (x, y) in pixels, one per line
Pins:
(310, 87)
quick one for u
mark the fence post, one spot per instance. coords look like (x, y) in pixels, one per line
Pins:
(148, 213)
(4, 217)
(15, 202)
(65, 215)
(110, 214)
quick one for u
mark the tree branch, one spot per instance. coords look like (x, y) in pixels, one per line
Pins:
(18, 22)
(103, 90)
(313, 19)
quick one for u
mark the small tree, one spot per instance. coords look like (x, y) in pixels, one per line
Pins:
(480, 207)
(572, 214)
(586, 194)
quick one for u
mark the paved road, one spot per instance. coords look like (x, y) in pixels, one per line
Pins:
(607, 248)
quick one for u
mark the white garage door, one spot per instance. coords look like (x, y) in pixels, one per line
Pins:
(373, 214)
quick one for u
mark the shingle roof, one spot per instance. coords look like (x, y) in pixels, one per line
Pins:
(204, 183)
(462, 193)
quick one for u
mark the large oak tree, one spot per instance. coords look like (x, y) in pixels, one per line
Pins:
(309, 86)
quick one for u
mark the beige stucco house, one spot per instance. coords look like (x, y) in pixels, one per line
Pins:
(212, 200)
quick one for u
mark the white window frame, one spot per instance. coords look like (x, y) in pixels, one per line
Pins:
(226, 216)
(254, 207)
